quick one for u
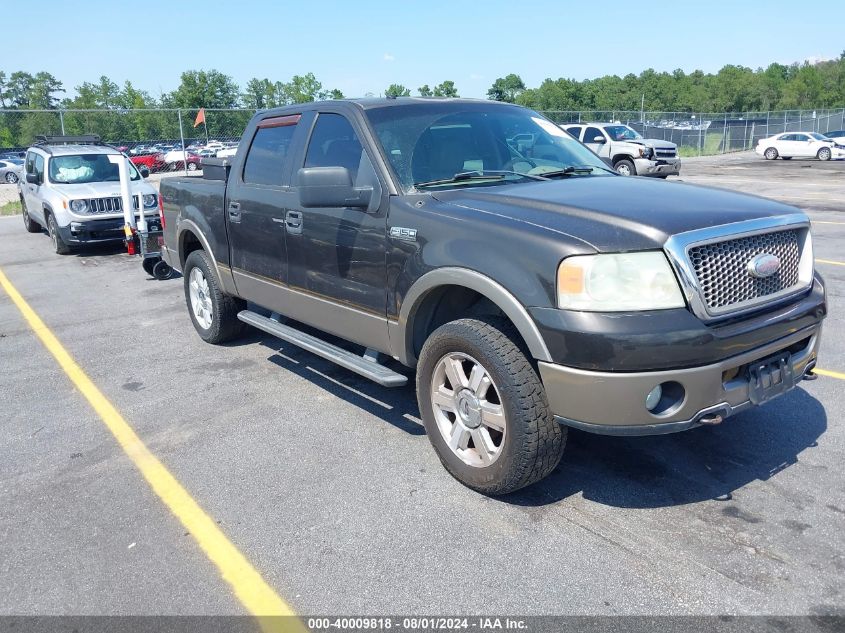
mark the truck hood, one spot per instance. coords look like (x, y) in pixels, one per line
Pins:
(613, 213)
(101, 190)
(656, 143)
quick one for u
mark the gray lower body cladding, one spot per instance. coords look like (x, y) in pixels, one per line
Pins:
(615, 403)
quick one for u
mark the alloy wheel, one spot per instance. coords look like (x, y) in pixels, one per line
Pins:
(201, 299)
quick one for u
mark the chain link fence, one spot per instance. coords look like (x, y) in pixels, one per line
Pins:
(140, 131)
(707, 133)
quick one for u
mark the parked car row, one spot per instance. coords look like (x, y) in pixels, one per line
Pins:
(172, 157)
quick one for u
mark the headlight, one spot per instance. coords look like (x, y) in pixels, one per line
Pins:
(646, 152)
(79, 206)
(150, 200)
(618, 283)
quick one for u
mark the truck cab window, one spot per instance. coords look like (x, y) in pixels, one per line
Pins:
(334, 144)
(266, 158)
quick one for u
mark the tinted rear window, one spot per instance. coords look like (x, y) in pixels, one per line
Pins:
(266, 158)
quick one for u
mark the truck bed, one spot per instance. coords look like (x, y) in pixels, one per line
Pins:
(199, 201)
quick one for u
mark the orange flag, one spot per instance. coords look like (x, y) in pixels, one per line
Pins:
(200, 117)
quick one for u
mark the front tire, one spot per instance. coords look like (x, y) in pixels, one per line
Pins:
(625, 167)
(824, 154)
(213, 313)
(484, 407)
(11, 177)
(59, 245)
(770, 154)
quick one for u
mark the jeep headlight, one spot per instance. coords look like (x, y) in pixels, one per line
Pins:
(79, 206)
(618, 283)
(150, 200)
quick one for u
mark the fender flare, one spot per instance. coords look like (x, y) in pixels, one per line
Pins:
(453, 276)
(189, 225)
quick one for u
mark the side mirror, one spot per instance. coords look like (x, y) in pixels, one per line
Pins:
(33, 179)
(330, 187)
(598, 139)
(144, 171)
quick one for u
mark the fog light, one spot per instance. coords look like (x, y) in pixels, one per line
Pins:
(653, 398)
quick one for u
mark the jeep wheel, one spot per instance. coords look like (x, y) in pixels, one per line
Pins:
(626, 168)
(29, 224)
(771, 153)
(824, 153)
(214, 314)
(59, 245)
(11, 177)
(484, 407)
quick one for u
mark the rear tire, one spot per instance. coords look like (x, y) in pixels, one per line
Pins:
(770, 154)
(499, 389)
(29, 224)
(824, 154)
(11, 177)
(213, 313)
(625, 167)
(59, 245)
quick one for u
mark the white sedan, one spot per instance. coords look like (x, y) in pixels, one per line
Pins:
(799, 144)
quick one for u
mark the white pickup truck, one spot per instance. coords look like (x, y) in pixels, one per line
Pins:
(629, 153)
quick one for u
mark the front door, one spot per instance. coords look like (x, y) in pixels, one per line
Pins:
(337, 270)
(34, 165)
(256, 200)
(600, 147)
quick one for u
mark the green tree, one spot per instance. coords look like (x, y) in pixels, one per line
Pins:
(446, 89)
(334, 93)
(425, 91)
(204, 89)
(397, 90)
(301, 89)
(506, 88)
(258, 94)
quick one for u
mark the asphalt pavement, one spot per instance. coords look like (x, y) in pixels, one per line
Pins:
(328, 486)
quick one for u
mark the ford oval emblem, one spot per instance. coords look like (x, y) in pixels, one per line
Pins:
(764, 265)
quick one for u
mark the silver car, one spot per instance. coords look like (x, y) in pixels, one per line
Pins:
(10, 170)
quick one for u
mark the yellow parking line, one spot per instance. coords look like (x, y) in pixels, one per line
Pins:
(248, 585)
(830, 261)
(829, 374)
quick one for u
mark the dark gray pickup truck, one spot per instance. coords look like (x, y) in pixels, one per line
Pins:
(531, 288)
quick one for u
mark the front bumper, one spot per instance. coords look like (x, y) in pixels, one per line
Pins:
(613, 403)
(99, 230)
(658, 167)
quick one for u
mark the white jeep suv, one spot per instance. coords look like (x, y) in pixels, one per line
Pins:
(71, 188)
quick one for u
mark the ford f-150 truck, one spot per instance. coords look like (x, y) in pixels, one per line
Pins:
(530, 286)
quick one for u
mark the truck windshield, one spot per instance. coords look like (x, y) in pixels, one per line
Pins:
(621, 133)
(75, 169)
(428, 144)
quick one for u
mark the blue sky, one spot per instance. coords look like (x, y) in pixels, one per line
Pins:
(364, 46)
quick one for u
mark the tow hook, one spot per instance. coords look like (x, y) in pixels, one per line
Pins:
(808, 372)
(711, 420)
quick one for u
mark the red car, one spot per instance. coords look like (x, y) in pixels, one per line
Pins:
(153, 162)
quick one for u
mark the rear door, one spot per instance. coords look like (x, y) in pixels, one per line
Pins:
(257, 197)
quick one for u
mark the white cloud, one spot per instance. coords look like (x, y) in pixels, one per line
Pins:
(388, 57)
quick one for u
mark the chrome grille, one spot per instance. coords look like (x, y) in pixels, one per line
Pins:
(97, 206)
(722, 268)
(665, 153)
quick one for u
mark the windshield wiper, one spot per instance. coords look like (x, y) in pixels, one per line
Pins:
(476, 174)
(567, 171)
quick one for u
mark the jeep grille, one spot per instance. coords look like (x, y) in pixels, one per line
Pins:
(108, 205)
